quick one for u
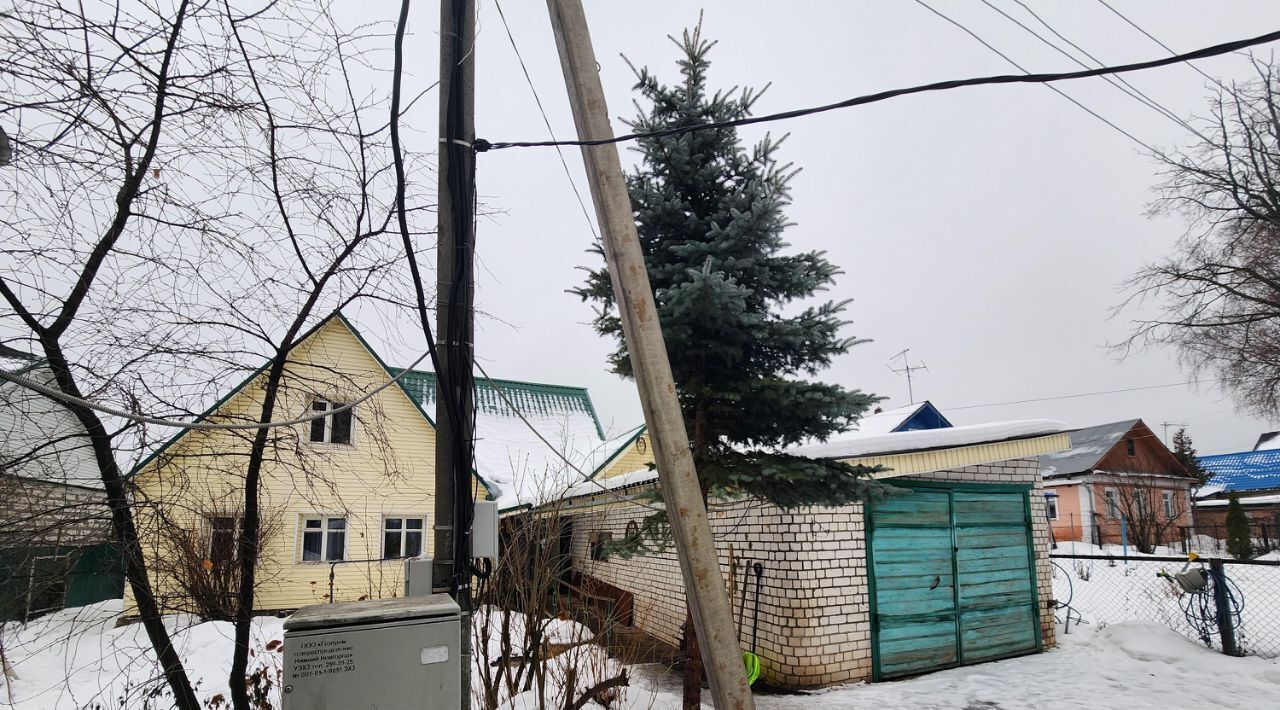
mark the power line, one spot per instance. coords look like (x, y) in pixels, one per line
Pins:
(1089, 394)
(591, 223)
(1128, 89)
(1166, 47)
(1043, 78)
(1055, 89)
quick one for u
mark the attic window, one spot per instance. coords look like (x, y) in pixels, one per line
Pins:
(1129, 447)
(333, 429)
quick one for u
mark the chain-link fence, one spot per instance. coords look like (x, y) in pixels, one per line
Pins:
(1222, 603)
(1212, 539)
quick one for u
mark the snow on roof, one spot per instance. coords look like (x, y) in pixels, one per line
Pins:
(611, 483)
(1088, 446)
(1244, 500)
(1268, 441)
(520, 467)
(855, 444)
(1239, 472)
(39, 438)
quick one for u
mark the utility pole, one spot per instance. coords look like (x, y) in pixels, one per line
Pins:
(455, 297)
(686, 511)
(907, 368)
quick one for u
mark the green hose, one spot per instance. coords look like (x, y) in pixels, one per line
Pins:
(752, 662)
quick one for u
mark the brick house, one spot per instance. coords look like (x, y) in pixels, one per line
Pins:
(1117, 479)
(54, 525)
(951, 571)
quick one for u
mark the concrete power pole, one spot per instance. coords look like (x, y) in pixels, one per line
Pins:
(699, 562)
(455, 297)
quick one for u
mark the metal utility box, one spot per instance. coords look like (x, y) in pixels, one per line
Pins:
(388, 653)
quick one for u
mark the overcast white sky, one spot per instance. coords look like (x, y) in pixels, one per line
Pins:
(986, 229)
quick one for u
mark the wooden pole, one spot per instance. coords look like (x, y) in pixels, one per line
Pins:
(455, 297)
(699, 562)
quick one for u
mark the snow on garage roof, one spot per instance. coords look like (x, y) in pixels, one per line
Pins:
(858, 444)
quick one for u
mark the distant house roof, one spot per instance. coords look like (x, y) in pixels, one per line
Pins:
(912, 417)
(859, 443)
(1268, 441)
(15, 362)
(1088, 446)
(1242, 472)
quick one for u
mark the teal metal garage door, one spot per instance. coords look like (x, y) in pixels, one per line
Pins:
(952, 578)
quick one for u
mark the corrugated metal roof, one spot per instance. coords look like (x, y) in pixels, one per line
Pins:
(1244, 471)
(1088, 446)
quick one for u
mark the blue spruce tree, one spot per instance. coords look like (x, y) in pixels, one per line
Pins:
(710, 216)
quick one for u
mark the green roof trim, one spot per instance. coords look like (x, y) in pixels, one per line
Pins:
(528, 397)
(640, 430)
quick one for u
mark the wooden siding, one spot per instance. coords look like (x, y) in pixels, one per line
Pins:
(637, 456)
(1150, 455)
(387, 470)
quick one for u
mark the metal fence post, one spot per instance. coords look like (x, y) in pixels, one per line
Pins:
(1226, 624)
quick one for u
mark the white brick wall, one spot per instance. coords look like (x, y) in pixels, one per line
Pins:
(814, 624)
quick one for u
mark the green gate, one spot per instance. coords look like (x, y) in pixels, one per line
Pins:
(952, 574)
(40, 579)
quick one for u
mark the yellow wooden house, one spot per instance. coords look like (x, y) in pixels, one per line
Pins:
(348, 496)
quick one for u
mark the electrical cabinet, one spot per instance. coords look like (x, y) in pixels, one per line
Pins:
(387, 653)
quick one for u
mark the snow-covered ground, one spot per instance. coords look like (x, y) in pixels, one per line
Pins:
(1104, 592)
(76, 659)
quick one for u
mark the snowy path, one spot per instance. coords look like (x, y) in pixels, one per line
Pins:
(1134, 666)
(73, 659)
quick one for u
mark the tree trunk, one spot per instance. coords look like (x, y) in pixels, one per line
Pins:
(692, 698)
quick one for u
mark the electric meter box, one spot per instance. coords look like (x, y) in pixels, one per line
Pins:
(386, 653)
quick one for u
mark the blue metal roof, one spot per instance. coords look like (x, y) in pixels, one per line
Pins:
(1245, 471)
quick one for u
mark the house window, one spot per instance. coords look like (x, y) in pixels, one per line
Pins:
(324, 539)
(1112, 498)
(1051, 502)
(222, 540)
(1169, 511)
(1142, 504)
(599, 541)
(1129, 447)
(333, 429)
(47, 586)
(402, 537)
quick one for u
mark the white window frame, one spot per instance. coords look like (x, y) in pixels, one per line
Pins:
(1166, 498)
(1051, 503)
(1111, 503)
(327, 422)
(326, 536)
(404, 529)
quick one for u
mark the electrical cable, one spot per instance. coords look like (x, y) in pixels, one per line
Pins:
(1089, 394)
(1055, 89)
(1201, 606)
(1164, 46)
(591, 223)
(57, 394)
(1042, 78)
(1118, 82)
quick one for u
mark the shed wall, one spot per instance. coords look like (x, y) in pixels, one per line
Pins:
(814, 625)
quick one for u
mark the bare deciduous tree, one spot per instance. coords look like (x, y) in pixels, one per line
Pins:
(1218, 293)
(192, 184)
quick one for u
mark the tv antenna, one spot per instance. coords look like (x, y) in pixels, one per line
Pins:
(905, 367)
